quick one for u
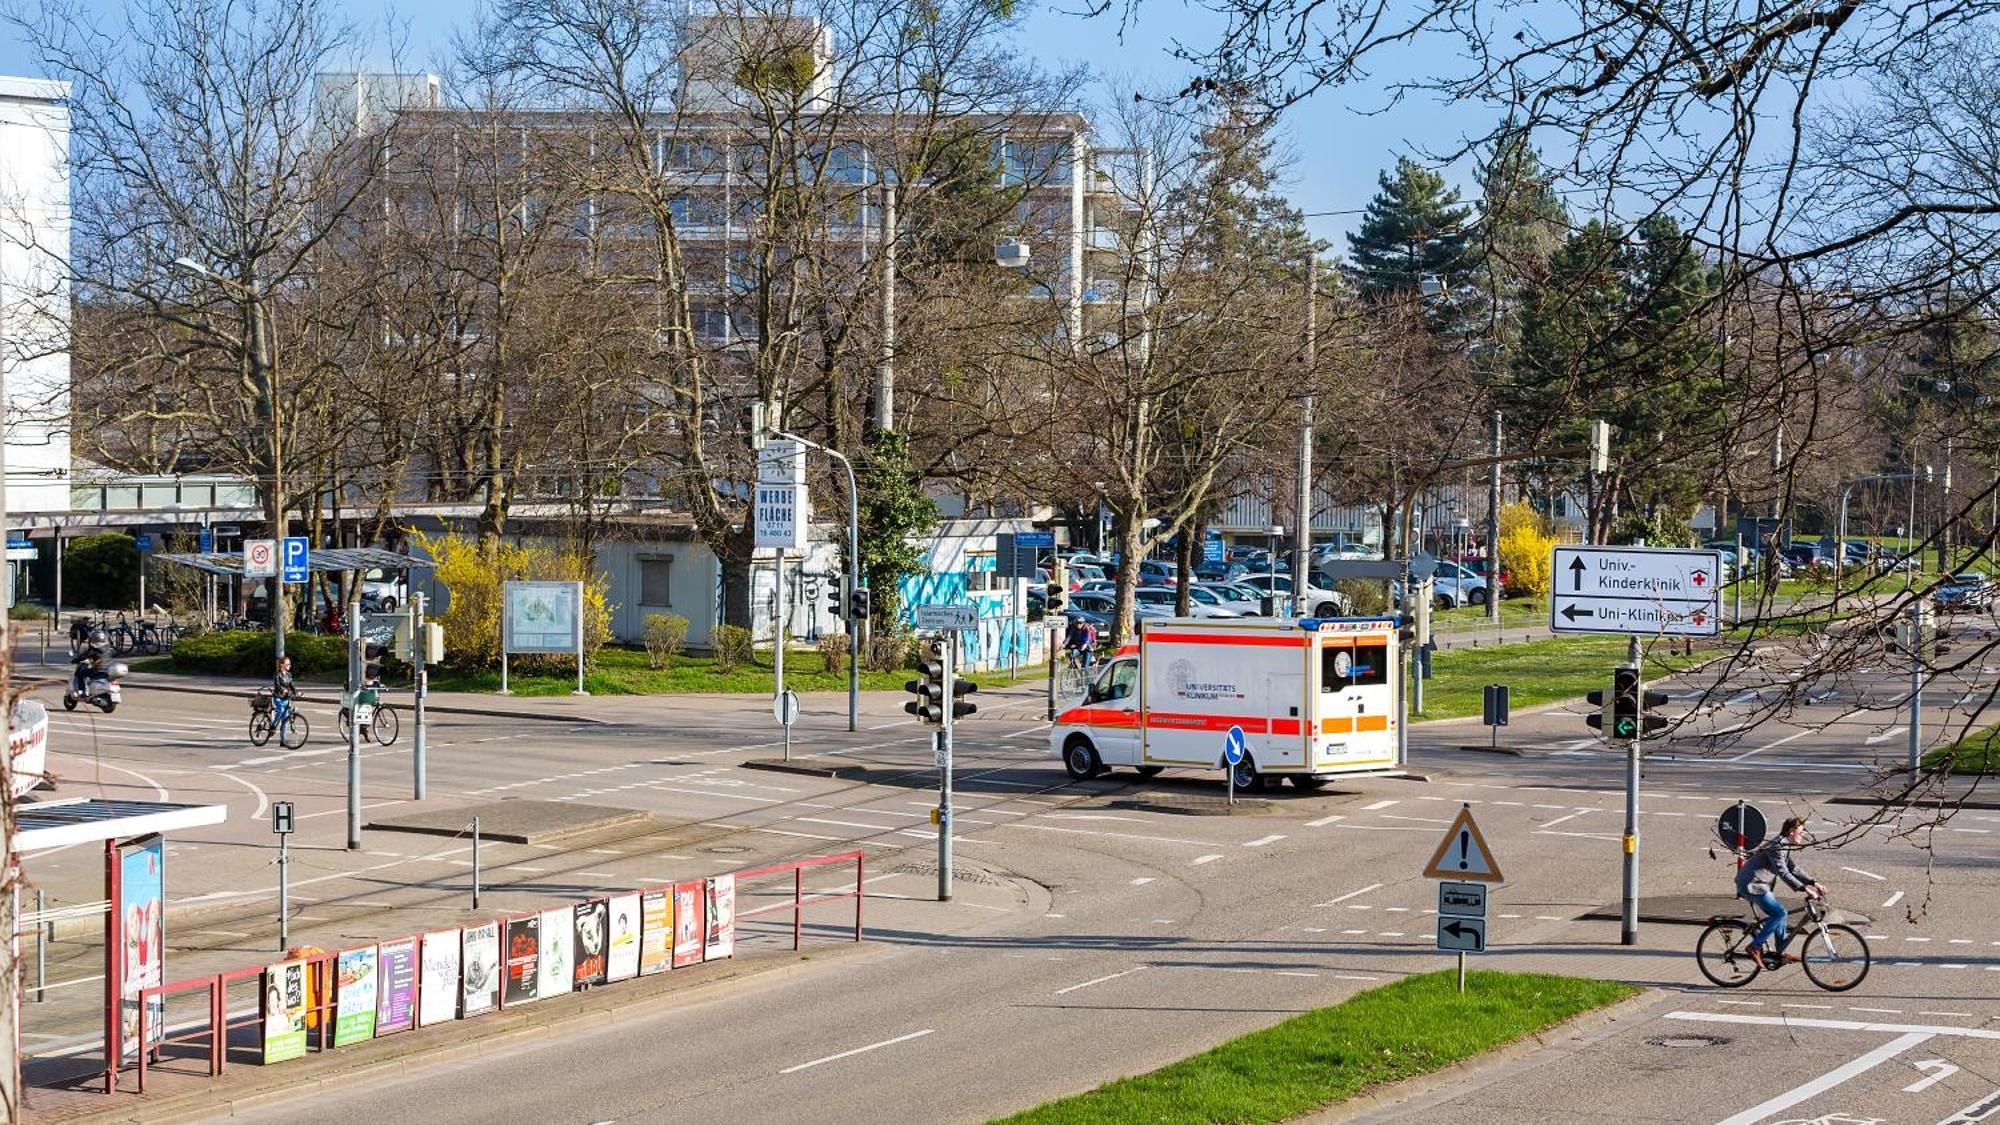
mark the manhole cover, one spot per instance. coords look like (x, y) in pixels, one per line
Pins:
(1685, 1041)
(724, 849)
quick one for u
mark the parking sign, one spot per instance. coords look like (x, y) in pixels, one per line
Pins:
(296, 556)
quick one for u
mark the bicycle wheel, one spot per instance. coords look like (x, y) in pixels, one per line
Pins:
(346, 720)
(1834, 956)
(386, 724)
(1724, 954)
(294, 732)
(149, 641)
(121, 640)
(260, 727)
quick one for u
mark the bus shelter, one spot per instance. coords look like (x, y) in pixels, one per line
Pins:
(228, 565)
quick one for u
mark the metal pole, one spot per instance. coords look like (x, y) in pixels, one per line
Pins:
(41, 935)
(1493, 525)
(1629, 917)
(1051, 653)
(1916, 683)
(1461, 970)
(778, 633)
(1403, 681)
(420, 653)
(475, 863)
(503, 669)
(1302, 540)
(944, 772)
(853, 572)
(1229, 774)
(284, 890)
(1736, 593)
(353, 726)
(885, 369)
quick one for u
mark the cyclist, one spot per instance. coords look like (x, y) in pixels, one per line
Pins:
(283, 688)
(1766, 866)
(1078, 643)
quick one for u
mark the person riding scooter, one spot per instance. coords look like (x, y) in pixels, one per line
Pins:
(89, 660)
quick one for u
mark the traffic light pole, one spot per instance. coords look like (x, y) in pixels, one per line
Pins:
(944, 771)
(853, 575)
(352, 704)
(419, 654)
(1629, 914)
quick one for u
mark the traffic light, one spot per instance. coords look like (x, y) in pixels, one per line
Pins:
(928, 706)
(961, 706)
(1625, 702)
(858, 605)
(1596, 699)
(372, 656)
(1649, 722)
(836, 597)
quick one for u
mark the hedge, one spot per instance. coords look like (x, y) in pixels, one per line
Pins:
(244, 652)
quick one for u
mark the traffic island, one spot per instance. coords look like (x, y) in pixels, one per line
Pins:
(516, 822)
(835, 768)
(1400, 1031)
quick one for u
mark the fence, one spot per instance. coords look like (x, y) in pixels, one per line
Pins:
(211, 1029)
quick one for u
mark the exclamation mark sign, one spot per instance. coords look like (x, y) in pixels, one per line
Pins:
(1464, 846)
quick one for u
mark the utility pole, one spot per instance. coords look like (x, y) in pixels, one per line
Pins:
(1302, 550)
(853, 573)
(353, 704)
(1493, 525)
(1628, 927)
(1916, 683)
(950, 660)
(10, 872)
(885, 367)
(420, 655)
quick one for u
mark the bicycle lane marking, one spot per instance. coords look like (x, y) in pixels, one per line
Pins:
(1830, 1079)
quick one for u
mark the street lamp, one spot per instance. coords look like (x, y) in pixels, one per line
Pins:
(1276, 532)
(264, 376)
(1840, 544)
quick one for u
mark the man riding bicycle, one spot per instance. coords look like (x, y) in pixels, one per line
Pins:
(1770, 863)
(1080, 642)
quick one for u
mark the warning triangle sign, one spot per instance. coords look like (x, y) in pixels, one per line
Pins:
(1463, 854)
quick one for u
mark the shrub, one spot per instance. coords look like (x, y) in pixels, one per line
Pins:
(101, 571)
(26, 611)
(732, 647)
(890, 649)
(833, 651)
(474, 579)
(1365, 597)
(1525, 550)
(242, 652)
(666, 634)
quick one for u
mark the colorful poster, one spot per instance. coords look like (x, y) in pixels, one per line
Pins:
(284, 1013)
(656, 932)
(481, 969)
(558, 948)
(524, 952)
(142, 936)
(356, 983)
(437, 996)
(592, 943)
(721, 918)
(623, 961)
(687, 923)
(396, 998)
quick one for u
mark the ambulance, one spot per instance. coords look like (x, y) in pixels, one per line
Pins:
(1315, 698)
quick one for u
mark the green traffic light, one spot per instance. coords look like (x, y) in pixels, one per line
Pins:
(1625, 728)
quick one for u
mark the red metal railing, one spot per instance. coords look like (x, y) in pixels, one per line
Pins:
(211, 1031)
(799, 900)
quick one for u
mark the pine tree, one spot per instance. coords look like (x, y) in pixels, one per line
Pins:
(1415, 228)
(1522, 224)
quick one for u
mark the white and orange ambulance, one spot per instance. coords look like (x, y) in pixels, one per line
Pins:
(1316, 698)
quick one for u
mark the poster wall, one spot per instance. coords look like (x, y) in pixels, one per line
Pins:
(356, 984)
(558, 949)
(481, 969)
(623, 960)
(524, 952)
(593, 936)
(142, 936)
(721, 918)
(656, 932)
(396, 996)
(688, 916)
(437, 996)
(284, 1012)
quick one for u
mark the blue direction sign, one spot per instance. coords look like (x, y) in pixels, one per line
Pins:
(1232, 745)
(143, 542)
(205, 540)
(1046, 540)
(294, 558)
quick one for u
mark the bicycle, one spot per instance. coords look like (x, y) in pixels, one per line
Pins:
(379, 721)
(122, 637)
(1836, 956)
(147, 638)
(270, 716)
(1077, 666)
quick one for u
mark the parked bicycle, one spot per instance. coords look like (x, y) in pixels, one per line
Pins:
(1835, 956)
(270, 716)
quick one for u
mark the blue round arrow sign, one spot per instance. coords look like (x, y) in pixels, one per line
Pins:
(1232, 745)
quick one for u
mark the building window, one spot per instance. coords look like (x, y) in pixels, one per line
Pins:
(655, 580)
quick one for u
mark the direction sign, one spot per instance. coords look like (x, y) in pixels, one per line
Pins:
(1232, 745)
(260, 558)
(1748, 833)
(296, 555)
(1466, 900)
(143, 542)
(1463, 853)
(946, 617)
(1640, 591)
(205, 540)
(1463, 935)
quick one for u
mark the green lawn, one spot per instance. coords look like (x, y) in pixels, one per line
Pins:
(1538, 671)
(1412, 1027)
(1976, 753)
(1514, 613)
(625, 671)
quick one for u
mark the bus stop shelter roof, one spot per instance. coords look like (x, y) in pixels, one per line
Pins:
(56, 824)
(325, 560)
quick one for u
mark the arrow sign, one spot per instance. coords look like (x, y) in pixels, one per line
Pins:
(1463, 853)
(1651, 618)
(1464, 935)
(1232, 745)
(1937, 1069)
(1576, 569)
(1636, 591)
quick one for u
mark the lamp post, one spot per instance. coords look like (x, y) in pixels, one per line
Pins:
(1840, 534)
(256, 353)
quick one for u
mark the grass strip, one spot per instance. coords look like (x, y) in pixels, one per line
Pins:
(1977, 753)
(1412, 1027)
(1538, 671)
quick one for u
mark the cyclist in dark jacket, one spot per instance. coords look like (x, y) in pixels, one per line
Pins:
(1767, 866)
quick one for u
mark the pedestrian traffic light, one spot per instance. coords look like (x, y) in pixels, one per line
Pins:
(836, 597)
(858, 604)
(1056, 601)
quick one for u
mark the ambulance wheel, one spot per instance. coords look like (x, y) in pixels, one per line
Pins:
(1310, 783)
(1150, 771)
(1247, 777)
(1081, 760)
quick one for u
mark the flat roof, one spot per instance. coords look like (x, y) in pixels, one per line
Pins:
(325, 560)
(55, 824)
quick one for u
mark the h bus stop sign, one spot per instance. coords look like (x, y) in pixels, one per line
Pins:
(1232, 745)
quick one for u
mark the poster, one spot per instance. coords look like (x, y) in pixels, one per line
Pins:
(437, 998)
(656, 932)
(592, 941)
(396, 997)
(558, 945)
(284, 1013)
(142, 936)
(721, 918)
(355, 986)
(524, 947)
(623, 961)
(687, 923)
(480, 969)
(541, 616)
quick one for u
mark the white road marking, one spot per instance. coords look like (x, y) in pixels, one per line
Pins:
(1322, 822)
(1350, 894)
(861, 1050)
(1201, 859)
(1892, 900)
(1142, 880)
(262, 801)
(1937, 1070)
(1261, 841)
(1885, 736)
(1379, 805)
(1978, 1111)
(1827, 1081)
(1571, 816)
(1770, 746)
(1865, 874)
(1839, 1025)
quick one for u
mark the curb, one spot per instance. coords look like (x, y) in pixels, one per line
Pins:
(807, 767)
(152, 684)
(1984, 804)
(1481, 748)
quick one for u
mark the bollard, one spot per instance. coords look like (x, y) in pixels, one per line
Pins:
(41, 961)
(475, 863)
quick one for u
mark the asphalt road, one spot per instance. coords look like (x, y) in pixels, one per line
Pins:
(1114, 937)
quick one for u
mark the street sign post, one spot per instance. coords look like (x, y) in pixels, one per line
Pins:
(1461, 936)
(786, 710)
(281, 823)
(1464, 900)
(296, 557)
(1463, 853)
(1464, 864)
(204, 540)
(1741, 826)
(946, 617)
(260, 558)
(1232, 753)
(1636, 591)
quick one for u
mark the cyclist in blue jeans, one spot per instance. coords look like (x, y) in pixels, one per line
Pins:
(1762, 870)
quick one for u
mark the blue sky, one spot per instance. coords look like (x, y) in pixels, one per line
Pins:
(1337, 151)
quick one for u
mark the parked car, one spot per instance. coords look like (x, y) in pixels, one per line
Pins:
(1210, 571)
(1163, 599)
(382, 590)
(1319, 603)
(1233, 595)
(1453, 585)
(1107, 605)
(1966, 590)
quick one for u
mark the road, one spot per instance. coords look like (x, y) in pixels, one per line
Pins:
(1097, 936)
